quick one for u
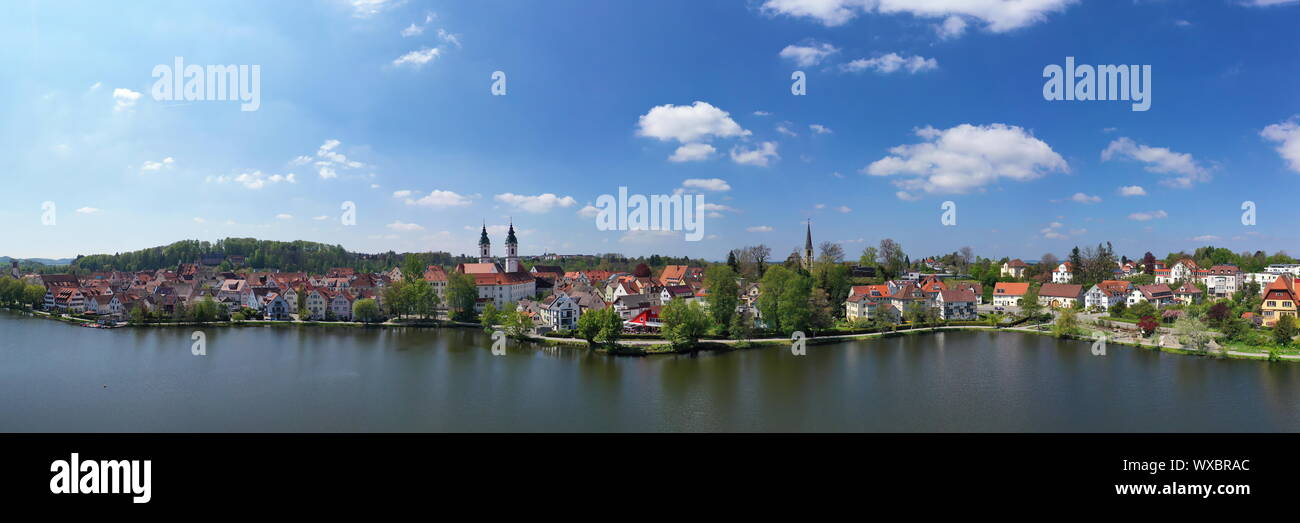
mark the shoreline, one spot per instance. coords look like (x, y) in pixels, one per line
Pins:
(651, 347)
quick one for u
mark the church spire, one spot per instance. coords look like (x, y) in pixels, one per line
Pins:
(483, 239)
(808, 248)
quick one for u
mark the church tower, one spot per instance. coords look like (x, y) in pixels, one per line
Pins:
(484, 247)
(512, 250)
(808, 249)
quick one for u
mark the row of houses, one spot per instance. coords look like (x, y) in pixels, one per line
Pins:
(637, 299)
(957, 301)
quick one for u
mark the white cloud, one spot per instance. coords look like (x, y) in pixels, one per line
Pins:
(413, 30)
(1084, 198)
(1159, 160)
(1287, 134)
(692, 152)
(809, 54)
(199, 220)
(1132, 190)
(688, 123)
(1268, 3)
(417, 58)
(708, 184)
(124, 99)
(1147, 216)
(148, 165)
(368, 8)
(781, 128)
(759, 156)
(907, 196)
(536, 204)
(328, 160)
(588, 211)
(759, 228)
(254, 179)
(952, 27)
(890, 63)
(966, 157)
(1053, 231)
(283, 216)
(844, 209)
(820, 129)
(450, 38)
(400, 226)
(320, 218)
(440, 199)
(87, 210)
(762, 113)
(404, 193)
(998, 16)
(1206, 238)
(95, 86)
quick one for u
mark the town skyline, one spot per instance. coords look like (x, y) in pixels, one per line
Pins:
(390, 106)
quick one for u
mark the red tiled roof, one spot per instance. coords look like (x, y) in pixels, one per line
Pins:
(1010, 289)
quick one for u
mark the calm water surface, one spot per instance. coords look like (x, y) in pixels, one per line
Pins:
(57, 377)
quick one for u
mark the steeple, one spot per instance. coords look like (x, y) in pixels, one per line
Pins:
(512, 250)
(808, 248)
(484, 247)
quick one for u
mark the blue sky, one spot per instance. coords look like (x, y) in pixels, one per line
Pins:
(916, 103)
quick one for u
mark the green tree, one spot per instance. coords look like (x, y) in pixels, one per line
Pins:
(821, 312)
(684, 322)
(611, 327)
(770, 289)
(462, 294)
(1029, 306)
(793, 309)
(205, 311)
(1284, 330)
(589, 325)
(724, 294)
(742, 326)
(516, 323)
(489, 318)
(366, 311)
(1067, 323)
(1192, 333)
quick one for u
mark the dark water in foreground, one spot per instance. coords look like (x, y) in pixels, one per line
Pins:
(53, 378)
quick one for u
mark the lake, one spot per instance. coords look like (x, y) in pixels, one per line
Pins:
(63, 378)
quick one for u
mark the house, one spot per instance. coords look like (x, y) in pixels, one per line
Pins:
(671, 292)
(1182, 270)
(909, 296)
(1014, 269)
(1008, 294)
(645, 321)
(1107, 294)
(1159, 295)
(340, 305)
(1284, 268)
(863, 299)
(1188, 294)
(1221, 280)
(631, 305)
(680, 275)
(1280, 299)
(317, 302)
(973, 287)
(275, 307)
(956, 305)
(104, 305)
(436, 277)
(559, 312)
(1060, 295)
(1064, 273)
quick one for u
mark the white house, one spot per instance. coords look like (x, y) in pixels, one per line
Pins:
(1064, 273)
(1222, 280)
(956, 305)
(559, 312)
(1106, 294)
